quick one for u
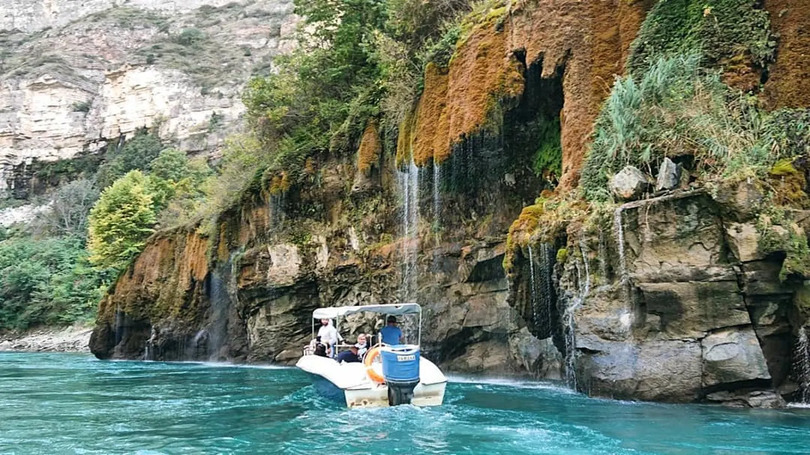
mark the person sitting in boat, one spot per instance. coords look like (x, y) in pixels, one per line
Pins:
(329, 336)
(391, 334)
(350, 356)
(363, 345)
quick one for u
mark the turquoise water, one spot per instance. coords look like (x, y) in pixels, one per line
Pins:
(67, 403)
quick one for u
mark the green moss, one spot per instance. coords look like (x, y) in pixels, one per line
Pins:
(783, 168)
(778, 233)
(547, 160)
(562, 255)
(719, 30)
(801, 301)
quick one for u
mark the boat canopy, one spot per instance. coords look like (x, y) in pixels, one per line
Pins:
(341, 311)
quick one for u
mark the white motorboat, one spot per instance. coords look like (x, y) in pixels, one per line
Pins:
(401, 376)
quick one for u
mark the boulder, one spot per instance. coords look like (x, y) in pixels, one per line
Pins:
(748, 399)
(740, 202)
(732, 355)
(629, 184)
(669, 175)
(651, 370)
(539, 357)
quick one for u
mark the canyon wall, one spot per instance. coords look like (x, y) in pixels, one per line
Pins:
(78, 76)
(673, 298)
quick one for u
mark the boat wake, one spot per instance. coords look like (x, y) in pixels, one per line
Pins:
(511, 382)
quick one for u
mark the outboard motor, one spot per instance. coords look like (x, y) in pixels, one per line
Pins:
(401, 372)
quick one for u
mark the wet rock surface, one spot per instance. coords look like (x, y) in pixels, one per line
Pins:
(694, 313)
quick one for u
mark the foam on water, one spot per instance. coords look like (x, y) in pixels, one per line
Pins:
(57, 403)
(509, 382)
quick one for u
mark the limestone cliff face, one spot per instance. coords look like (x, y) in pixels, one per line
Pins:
(79, 75)
(247, 291)
(670, 299)
(36, 15)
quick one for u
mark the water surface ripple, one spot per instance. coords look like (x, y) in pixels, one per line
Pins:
(68, 403)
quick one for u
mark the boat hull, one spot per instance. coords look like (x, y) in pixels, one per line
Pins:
(423, 395)
(350, 383)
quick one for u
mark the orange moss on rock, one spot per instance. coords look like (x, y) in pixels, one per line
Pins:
(588, 41)
(405, 139)
(520, 233)
(368, 154)
(739, 72)
(483, 73)
(431, 119)
(788, 85)
(172, 266)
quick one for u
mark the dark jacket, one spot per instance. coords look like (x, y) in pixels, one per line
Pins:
(348, 357)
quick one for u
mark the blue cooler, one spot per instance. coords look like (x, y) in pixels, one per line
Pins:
(400, 363)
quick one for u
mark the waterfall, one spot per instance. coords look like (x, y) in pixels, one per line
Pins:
(437, 217)
(532, 290)
(801, 365)
(149, 348)
(275, 210)
(437, 201)
(619, 227)
(541, 290)
(409, 188)
(222, 294)
(569, 318)
(603, 255)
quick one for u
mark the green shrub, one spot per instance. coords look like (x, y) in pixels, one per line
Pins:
(718, 30)
(121, 221)
(190, 37)
(82, 106)
(674, 109)
(69, 209)
(176, 185)
(46, 281)
(678, 109)
(136, 154)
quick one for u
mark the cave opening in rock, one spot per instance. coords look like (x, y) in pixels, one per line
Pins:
(532, 130)
(506, 165)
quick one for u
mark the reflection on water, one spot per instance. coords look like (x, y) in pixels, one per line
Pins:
(63, 403)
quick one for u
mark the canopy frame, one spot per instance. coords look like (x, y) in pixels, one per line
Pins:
(389, 309)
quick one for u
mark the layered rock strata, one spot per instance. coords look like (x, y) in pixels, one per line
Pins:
(676, 301)
(105, 69)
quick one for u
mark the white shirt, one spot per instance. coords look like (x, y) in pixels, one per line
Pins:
(328, 334)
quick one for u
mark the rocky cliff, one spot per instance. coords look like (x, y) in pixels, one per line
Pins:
(677, 297)
(77, 76)
(673, 298)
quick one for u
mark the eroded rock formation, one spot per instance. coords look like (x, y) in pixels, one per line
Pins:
(246, 292)
(675, 298)
(675, 301)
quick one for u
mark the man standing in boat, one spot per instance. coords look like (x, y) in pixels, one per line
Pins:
(328, 335)
(391, 334)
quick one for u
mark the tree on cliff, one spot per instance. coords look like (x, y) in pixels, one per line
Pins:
(121, 221)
